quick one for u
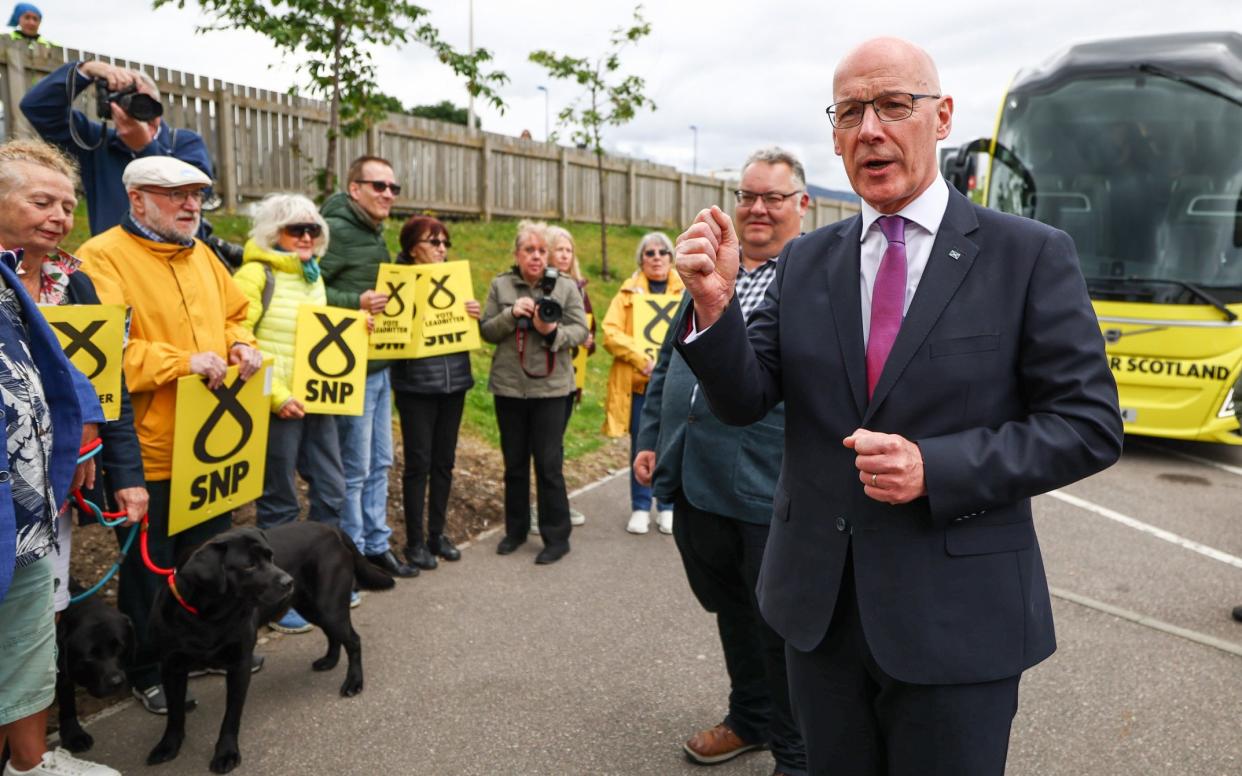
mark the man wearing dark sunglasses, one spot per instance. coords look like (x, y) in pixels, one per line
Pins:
(356, 222)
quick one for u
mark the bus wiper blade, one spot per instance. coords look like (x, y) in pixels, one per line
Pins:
(1203, 294)
(1161, 72)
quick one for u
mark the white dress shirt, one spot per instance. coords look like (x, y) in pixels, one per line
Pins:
(924, 216)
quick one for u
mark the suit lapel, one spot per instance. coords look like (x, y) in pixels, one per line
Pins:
(951, 257)
(843, 291)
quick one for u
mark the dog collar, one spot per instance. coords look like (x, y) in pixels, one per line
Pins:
(172, 585)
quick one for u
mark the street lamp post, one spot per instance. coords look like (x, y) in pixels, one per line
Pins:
(544, 89)
(695, 130)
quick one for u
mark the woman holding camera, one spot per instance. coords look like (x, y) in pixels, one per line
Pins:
(430, 394)
(632, 365)
(535, 318)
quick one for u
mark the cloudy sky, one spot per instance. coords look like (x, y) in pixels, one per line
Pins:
(746, 74)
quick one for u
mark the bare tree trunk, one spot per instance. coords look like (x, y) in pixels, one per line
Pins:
(603, 216)
(328, 184)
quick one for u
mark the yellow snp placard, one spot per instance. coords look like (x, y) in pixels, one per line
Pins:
(330, 360)
(653, 314)
(395, 324)
(93, 337)
(219, 446)
(441, 324)
(580, 358)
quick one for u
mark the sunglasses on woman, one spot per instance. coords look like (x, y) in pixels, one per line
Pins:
(298, 231)
(651, 253)
(436, 242)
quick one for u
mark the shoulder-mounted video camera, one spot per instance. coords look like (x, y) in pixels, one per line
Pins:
(139, 106)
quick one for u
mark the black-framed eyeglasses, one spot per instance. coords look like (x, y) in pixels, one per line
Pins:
(298, 231)
(379, 186)
(651, 253)
(897, 106)
(179, 196)
(436, 242)
(771, 199)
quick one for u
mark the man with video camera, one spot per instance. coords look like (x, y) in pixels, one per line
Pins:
(132, 103)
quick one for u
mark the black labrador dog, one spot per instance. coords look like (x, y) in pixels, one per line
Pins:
(325, 565)
(237, 581)
(208, 618)
(94, 642)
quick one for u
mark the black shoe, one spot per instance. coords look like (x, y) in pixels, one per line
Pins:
(440, 545)
(154, 700)
(256, 665)
(388, 562)
(420, 556)
(1237, 613)
(552, 554)
(508, 545)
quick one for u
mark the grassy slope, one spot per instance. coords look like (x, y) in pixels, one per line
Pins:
(489, 249)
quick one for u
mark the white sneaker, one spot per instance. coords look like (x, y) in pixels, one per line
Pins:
(59, 762)
(639, 521)
(665, 521)
(576, 517)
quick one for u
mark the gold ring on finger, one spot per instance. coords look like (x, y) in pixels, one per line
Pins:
(873, 476)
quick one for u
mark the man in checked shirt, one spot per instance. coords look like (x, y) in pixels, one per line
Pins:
(721, 528)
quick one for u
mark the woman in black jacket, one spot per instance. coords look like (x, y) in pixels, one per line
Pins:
(430, 394)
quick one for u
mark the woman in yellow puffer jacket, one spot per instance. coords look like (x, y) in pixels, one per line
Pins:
(632, 365)
(286, 241)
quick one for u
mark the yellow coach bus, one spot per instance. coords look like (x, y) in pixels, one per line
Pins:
(1134, 147)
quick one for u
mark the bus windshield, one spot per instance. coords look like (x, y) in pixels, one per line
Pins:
(1143, 171)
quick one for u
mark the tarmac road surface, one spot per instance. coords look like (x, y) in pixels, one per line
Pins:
(604, 663)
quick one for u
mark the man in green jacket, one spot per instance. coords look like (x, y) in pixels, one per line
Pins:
(350, 265)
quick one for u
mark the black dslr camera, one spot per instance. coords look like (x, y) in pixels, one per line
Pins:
(139, 106)
(549, 310)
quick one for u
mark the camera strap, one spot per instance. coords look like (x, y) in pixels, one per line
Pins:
(520, 336)
(72, 92)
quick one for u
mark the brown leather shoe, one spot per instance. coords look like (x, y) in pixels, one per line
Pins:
(716, 745)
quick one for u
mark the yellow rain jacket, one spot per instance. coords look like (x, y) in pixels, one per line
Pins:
(626, 375)
(183, 302)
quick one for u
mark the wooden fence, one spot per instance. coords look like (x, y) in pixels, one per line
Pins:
(265, 141)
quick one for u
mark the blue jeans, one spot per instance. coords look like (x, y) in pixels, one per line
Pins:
(308, 446)
(366, 455)
(640, 495)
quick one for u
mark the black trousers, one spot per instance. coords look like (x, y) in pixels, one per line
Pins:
(534, 429)
(859, 721)
(722, 556)
(137, 586)
(429, 425)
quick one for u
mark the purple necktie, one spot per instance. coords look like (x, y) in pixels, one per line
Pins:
(888, 297)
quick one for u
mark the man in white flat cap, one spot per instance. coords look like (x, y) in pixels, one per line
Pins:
(186, 318)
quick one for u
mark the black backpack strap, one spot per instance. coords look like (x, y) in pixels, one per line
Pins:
(269, 288)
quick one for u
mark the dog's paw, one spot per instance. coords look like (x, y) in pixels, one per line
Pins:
(167, 749)
(76, 740)
(351, 687)
(224, 762)
(325, 663)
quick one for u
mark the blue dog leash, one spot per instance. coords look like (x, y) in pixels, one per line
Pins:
(87, 453)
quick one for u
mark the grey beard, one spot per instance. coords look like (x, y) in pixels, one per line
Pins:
(172, 236)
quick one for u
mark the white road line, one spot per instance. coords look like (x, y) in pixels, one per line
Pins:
(1149, 622)
(1225, 467)
(1147, 528)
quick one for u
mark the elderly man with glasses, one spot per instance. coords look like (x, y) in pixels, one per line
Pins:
(940, 364)
(350, 266)
(187, 316)
(721, 524)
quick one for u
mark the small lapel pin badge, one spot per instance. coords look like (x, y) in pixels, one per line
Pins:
(955, 254)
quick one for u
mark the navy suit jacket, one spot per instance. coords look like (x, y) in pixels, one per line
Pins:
(998, 374)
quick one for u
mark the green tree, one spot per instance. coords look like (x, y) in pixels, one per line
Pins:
(444, 111)
(607, 100)
(334, 43)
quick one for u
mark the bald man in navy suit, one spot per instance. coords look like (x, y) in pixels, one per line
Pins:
(940, 365)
